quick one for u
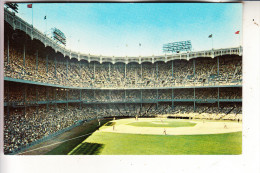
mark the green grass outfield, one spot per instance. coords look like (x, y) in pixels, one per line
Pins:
(108, 143)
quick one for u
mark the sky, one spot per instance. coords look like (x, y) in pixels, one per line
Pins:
(116, 29)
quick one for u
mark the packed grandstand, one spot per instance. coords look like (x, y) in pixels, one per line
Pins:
(47, 90)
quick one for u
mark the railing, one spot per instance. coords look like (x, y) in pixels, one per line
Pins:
(18, 23)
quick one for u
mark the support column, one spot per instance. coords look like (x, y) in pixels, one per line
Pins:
(80, 105)
(55, 93)
(125, 108)
(125, 71)
(194, 102)
(67, 98)
(8, 50)
(67, 95)
(109, 70)
(218, 67)
(24, 113)
(8, 98)
(95, 108)
(47, 98)
(67, 64)
(172, 99)
(94, 71)
(157, 70)
(157, 98)
(141, 72)
(37, 61)
(172, 68)
(141, 100)
(47, 64)
(125, 95)
(218, 98)
(25, 94)
(25, 102)
(37, 99)
(37, 109)
(37, 94)
(55, 62)
(135, 76)
(194, 67)
(80, 71)
(80, 66)
(80, 95)
(24, 56)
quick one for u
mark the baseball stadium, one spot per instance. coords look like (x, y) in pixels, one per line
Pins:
(59, 101)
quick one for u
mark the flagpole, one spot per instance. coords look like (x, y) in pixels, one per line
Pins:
(126, 49)
(32, 15)
(78, 45)
(238, 37)
(139, 49)
(46, 25)
(239, 40)
(212, 41)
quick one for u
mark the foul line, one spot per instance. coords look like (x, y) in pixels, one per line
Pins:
(55, 143)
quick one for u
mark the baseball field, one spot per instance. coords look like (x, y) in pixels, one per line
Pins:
(161, 136)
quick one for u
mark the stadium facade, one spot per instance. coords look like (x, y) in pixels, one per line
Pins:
(49, 89)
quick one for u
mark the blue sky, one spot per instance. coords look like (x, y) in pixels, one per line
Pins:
(106, 28)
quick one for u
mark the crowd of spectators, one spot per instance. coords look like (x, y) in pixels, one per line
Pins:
(183, 94)
(206, 93)
(66, 72)
(14, 92)
(23, 125)
(29, 122)
(230, 93)
(165, 94)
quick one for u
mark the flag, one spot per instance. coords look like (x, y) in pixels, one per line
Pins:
(29, 5)
(210, 36)
(237, 32)
(140, 44)
(45, 17)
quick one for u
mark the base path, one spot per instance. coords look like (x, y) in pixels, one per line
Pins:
(207, 127)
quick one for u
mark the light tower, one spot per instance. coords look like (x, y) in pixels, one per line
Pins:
(177, 47)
